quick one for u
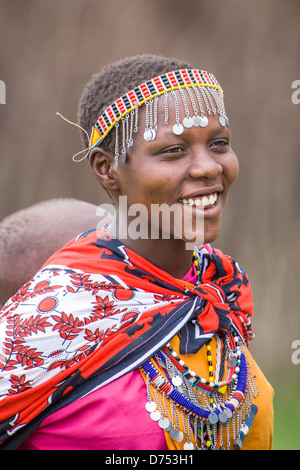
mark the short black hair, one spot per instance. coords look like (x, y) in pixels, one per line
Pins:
(114, 81)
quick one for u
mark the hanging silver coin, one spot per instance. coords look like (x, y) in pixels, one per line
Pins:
(249, 420)
(178, 129)
(223, 417)
(188, 122)
(148, 135)
(204, 121)
(177, 381)
(228, 412)
(197, 120)
(222, 121)
(232, 361)
(176, 435)
(155, 415)
(244, 429)
(213, 418)
(150, 406)
(165, 423)
(188, 446)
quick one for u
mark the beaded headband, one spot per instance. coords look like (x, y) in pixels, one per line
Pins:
(201, 87)
(207, 93)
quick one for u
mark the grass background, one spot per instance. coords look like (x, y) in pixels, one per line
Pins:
(287, 412)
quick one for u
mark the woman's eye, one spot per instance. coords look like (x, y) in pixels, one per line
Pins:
(221, 143)
(173, 150)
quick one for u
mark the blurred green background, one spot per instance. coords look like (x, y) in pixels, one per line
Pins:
(50, 49)
(287, 413)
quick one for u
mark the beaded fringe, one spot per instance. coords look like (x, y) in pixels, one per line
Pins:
(202, 100)
(201, 417)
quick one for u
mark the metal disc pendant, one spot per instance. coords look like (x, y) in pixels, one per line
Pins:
(176, 435)
(155, 415)
(213, 418)
(177, 381)
(231, 361)
(197, 121)
(223, 417)
(188, 446)
(244, 429)
(254, 409)
(249, 420)
(188, 122)
(148, 135)
(228, 412)
(204, 121)
(178, 129)
(165, 423)
(222, 121)
(150, 406)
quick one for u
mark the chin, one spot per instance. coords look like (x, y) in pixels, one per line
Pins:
(211, 234)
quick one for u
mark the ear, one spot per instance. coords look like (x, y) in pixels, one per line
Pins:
(102, 165)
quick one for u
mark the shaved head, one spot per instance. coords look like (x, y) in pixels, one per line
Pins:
(30, 236)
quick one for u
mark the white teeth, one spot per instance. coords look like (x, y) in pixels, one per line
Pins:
(208, 200)
(211, 199)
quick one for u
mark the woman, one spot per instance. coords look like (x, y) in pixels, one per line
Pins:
(127, 339)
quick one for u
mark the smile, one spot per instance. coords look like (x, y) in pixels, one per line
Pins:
(204, 201)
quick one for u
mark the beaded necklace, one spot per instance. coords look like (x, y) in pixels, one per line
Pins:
(214, 413)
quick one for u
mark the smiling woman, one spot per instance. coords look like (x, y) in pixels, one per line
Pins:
(146, 344)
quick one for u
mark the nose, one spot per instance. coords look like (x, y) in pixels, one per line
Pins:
(204, 165)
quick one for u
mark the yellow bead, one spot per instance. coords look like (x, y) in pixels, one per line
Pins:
(208, 443)
(222, 389)
(210, 368)
(196, 262)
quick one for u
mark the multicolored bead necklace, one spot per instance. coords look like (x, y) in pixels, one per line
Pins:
(214, 412)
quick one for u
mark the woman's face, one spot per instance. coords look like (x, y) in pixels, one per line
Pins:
(193, 171)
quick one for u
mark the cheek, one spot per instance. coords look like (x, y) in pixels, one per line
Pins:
(231, 169)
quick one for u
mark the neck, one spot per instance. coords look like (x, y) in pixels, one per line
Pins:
(170, 255)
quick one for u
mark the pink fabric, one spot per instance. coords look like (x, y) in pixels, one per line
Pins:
(191, 275)
(111, 418)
